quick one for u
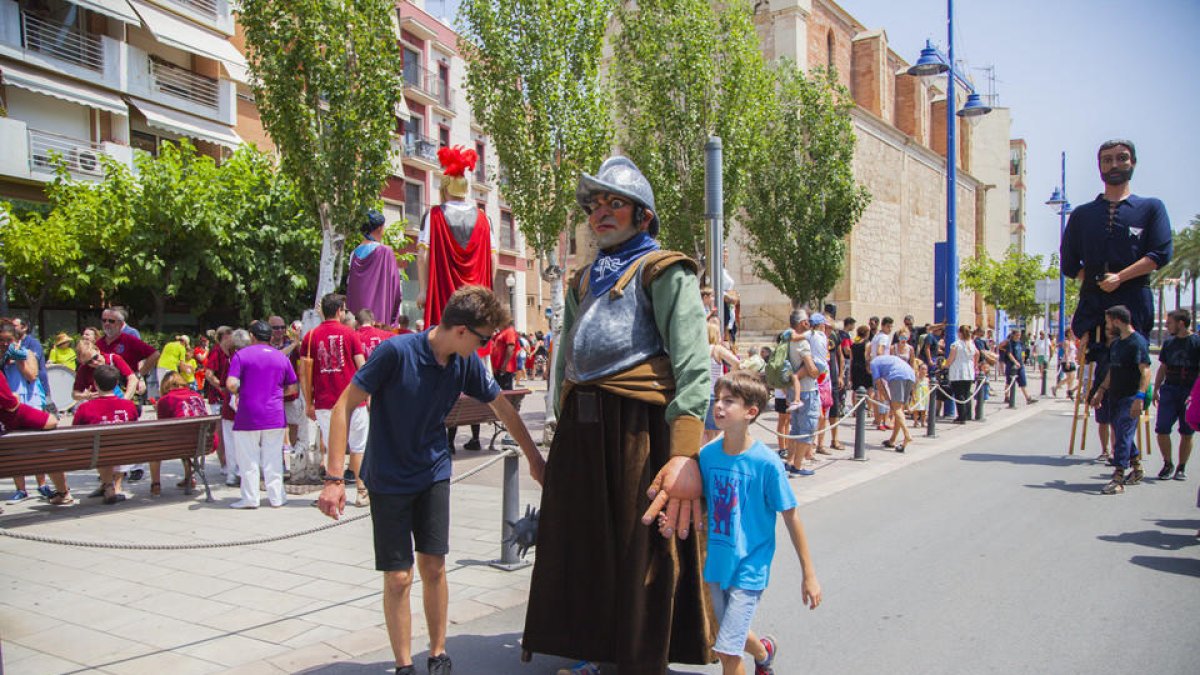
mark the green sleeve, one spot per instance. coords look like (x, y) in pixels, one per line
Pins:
(570, 306)
(680, 316)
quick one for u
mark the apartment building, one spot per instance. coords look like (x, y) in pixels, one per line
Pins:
(435, 113)
(1016, 192)
(88, 78)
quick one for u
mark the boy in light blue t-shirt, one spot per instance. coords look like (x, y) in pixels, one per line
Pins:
(745, 485)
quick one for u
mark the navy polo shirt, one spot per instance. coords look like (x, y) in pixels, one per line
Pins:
(411, 394)
(1125, 357)
(1139, 229)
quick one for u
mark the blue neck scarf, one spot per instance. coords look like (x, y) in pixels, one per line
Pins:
(608, 267)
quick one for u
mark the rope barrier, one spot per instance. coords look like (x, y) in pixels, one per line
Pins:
(818, 432)
(970, 397)
(228, 544)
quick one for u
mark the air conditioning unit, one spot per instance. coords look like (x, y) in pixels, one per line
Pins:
(85, 160)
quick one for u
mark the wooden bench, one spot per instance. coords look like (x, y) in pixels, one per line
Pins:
(468, 411)
(24, 453)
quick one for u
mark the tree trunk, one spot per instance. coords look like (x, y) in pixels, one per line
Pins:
(4, 294)
(332, 244)
(160, 304)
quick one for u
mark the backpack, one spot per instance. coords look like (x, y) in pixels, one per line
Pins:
(779, 370)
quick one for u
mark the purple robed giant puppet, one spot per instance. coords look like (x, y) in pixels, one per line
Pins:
(374, 279)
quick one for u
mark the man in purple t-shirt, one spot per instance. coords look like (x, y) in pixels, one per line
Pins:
(259, 376)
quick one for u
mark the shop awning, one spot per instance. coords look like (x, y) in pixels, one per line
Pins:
(61, 87)
(117, 9)
(187, 125)
(180, 33)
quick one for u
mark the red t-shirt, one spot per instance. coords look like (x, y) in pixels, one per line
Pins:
(217, 363)
(371, 337)
(500, 345)
(22, 417)
(332, 348)
(106, 410)
(8, 400)
(181, 402)
(133, 350)
(85, 376)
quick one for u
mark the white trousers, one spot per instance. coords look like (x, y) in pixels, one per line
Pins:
(261, 450)
(230, 445)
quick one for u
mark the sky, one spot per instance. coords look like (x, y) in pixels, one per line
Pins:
(1074, 73)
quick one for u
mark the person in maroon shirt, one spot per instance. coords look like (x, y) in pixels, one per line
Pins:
(217, 366)
(176, 399)
(107, 408)
(89, 357)
(136, 353)
(369, 332)
(336, 354)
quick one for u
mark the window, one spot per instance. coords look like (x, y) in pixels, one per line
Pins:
(444, 84)
(444, 135)
(141, 140)
(508, 238)
(481, 167)
(829, 48)
(413, 128)
(412, 67)
(414, 202)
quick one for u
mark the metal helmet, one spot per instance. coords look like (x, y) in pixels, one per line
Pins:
(619, 176)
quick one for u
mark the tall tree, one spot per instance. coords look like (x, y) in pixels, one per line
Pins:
(682, 70)
(1009, 283)
(1185, 258)
(804, 200)
(326, 84)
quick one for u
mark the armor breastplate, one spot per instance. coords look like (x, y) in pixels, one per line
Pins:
(461, 222)
(612, 334)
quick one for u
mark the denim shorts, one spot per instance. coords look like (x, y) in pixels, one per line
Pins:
(804, 420)
(1172, 401)
(734, 608)
(710, 422)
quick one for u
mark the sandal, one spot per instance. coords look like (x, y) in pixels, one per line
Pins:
(823, 451)
(62, 498)
(362, 499)
(111, 496)
(889, 444)
(837, 445)
(155, 489)
(186, 483)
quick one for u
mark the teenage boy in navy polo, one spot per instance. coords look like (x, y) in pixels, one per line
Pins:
(1125, 390)
(413, 381)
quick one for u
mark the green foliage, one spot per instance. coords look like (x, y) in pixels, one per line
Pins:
(801, 208)
(682, 70)
(1053, 270)
(327, 82)
(1185, 257)
(533, 76)
(1009, 283)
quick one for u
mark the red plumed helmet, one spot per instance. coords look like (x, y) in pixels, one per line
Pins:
(456, 161)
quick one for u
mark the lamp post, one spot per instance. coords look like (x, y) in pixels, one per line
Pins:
(932, 64)
(1058, 201)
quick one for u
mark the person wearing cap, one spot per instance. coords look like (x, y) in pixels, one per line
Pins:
(62, 354)
(373, 281)
(457, 245)
(260, 376)
(633, 362)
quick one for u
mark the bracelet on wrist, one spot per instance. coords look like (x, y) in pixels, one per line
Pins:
(331, 479)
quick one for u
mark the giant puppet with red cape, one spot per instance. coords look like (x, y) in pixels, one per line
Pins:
(456, 247)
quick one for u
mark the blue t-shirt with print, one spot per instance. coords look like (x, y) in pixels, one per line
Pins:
(743, 492)
(411, 394)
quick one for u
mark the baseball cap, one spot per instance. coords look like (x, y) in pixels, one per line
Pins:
(261, 330)
(817, 319)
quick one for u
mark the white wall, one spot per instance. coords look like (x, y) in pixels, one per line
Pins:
(46, 113)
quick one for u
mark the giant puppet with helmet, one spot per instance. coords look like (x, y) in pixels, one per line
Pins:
(457, 246)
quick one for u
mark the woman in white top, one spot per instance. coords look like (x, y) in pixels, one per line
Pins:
(961, 364)
(718, 357)
(903, 347)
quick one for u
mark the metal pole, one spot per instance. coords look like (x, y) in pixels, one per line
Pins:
(509, 559)
(980, 395)
(714, 191)
(931, 412)
(860, 426)
(1062, 230)
(951, 180)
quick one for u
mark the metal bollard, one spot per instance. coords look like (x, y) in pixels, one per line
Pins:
(1012, 394)
(509, 559)
(860, 426)
(931, 413)
(980, 395)
(1044, 381)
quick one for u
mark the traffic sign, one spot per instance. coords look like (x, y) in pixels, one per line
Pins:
(1047, 291)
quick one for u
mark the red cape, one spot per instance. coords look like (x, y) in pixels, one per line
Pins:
(451, 266)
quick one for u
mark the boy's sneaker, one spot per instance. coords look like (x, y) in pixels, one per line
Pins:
(764, 667)
(1135, 476)
(472, 444)
(581, 668)
(1166, 472)
(439, 665)
(18, 497)
(46, 491)
(1115, 486)
(1179, 474)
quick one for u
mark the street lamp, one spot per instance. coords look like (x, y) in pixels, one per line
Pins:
(931, 64)
(1058, 202)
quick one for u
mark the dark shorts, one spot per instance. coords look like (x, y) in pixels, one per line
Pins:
(24, 417)
(505, 380)
(835, 410)
(781, 406)
(400, 521)
(1104, 412)
(1017, 374)
(1172, 402)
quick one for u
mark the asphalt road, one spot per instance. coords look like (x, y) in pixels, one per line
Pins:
(997, 558)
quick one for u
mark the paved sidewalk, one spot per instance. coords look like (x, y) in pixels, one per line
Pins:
(302, 604)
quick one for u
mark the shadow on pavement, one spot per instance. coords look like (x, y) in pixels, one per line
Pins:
(1179, 524)
(1188, 567)
(1162, 541)
(1064, 486)
(1039, 460)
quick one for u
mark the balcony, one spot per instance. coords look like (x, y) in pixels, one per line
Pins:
(425, 86)
(61, 48)
(481, 178)
(421, 151)
(417, 28)
(153, 78)
(170, 79)
(212, 13)
(30, 154)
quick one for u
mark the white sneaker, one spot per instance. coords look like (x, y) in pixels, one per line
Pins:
(239, 504)
(282, 503)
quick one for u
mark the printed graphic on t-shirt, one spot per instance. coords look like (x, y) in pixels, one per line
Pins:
(333, 358)
(726, 489)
